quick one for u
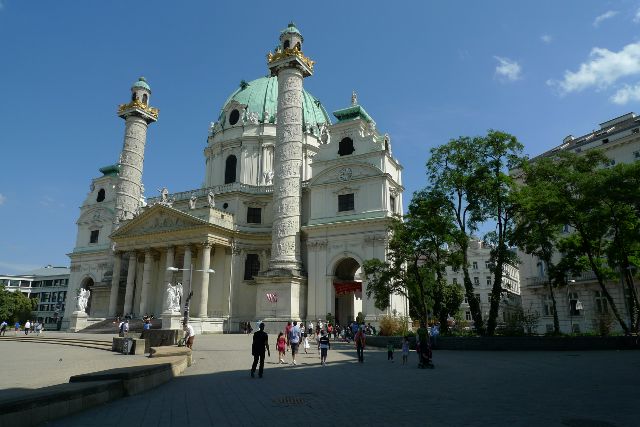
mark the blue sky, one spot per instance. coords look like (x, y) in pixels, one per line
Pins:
(426, 71)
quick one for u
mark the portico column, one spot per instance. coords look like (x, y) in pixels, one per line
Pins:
(115, 284)
(167, 276)
(146, 281)
(186, 273)
(131, 277)
(204, 281)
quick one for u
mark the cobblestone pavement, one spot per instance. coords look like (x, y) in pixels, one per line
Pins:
(598, 388)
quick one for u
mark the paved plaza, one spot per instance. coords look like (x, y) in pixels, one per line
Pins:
(466, 388)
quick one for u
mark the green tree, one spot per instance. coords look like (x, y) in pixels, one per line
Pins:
(15, 306)
(416, 260)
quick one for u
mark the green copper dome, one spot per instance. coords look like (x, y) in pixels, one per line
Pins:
(142, 82)
(291, 28)
(261, 96)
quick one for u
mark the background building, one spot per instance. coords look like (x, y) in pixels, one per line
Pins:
(479, 256)
(48, 285)
(581, 303)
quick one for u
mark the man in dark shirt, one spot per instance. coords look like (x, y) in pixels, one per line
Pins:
(260, 344)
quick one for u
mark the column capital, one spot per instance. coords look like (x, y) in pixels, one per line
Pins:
(205, 245)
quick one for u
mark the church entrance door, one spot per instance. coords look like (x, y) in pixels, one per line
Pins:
(348, 291)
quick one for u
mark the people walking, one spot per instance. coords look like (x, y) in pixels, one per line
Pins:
(390, 349)
(17, 327)
(27, 327)
(294, 340)
(281, 345)
(360, 341)
(324, 345)
(3, 327)
(258, 347)
(305, 343)
(287, 332)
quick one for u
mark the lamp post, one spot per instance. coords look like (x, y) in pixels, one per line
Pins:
(190, 270)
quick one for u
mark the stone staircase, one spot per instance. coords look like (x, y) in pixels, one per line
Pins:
(96, 344)
(110, 326)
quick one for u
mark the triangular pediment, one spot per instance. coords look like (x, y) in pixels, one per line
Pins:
(158, 218)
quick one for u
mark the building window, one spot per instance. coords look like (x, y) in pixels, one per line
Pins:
(251, 266)
(602, 306)
(467, 315)
(346, 202)
(94, 236)
(254, 215)
(487, 264)
(455, 281)
(547, 304)
(286, 44)
(234, 117)
(392, 204)
(466, 300)
(605, 141)
(636, 155)
(488, 280)
(475, 265)
(230, 169)
(476, 281)
(145, 98)
(478, 298)
(100, 195)
(346, 147)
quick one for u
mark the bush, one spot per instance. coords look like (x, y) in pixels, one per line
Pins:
(393, 326)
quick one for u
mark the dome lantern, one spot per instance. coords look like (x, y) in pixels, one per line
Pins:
(290, 38)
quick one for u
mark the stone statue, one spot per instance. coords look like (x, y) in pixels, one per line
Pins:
(268, 177)
(211, 199)
(192, 201)
(174, 295)
(82, 299)
(252, 118)
(354, 98)
(164, 195)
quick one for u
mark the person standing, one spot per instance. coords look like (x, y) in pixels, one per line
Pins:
(189, 335)
(27, 327)
(3, 327)
(360, 341)
(310, 330)
(324, 345)
(260, 344)
(287, 333)
(390, 350)
(294, 340)
(405, 350)
(17, 327)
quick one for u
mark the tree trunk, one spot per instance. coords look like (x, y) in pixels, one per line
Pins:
(556, 321)
(606, 293)
(474, 304)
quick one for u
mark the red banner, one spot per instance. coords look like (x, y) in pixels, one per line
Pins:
(343, 288)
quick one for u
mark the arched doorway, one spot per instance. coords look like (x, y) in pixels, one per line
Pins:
(347, 284)
(88, 285)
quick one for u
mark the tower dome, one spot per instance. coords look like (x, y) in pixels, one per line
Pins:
(257, 102)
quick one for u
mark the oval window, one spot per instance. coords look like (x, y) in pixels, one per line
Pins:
(234, 117)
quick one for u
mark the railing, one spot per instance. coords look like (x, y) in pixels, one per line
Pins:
(217, 189)
(586, 276)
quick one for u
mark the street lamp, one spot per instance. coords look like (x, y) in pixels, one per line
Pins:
(190, 270)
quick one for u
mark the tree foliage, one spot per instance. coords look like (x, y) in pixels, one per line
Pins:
(15, 306)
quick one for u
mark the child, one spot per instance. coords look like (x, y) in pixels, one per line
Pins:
(281, 343)
(405, 350)
(324, 345)
(306, 343)
(390, 350)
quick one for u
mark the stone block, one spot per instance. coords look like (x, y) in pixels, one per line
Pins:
(160, 337)
(138, 345)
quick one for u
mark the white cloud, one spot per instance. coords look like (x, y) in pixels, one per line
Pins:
(508, 69)
(607, 15)
(626, 94)
(636, 18)
(546, 38)
(604, 68)
(2, 199)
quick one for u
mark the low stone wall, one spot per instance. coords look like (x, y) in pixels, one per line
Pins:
(518, 343)
(160, 337)
(137, 347)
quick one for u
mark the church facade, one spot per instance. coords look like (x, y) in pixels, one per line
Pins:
(291, 207)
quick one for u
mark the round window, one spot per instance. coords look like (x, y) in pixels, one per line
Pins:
(234, 117)
(225, 205)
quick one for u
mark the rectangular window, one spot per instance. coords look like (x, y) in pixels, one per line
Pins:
(478, 298)
(94, 236)
(488, 280)
(636, 155)
(466, 300)
(455, 281)
(392, 204)
(476, 281)
(345, 202)
(573, 304)
(487, 264)
(251, 266)
(602, 306)
(475, 265)
(254, 215)
(467, 315)
(547, 305)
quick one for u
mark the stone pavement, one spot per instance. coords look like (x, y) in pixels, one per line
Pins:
(28, 365)
(466, 388)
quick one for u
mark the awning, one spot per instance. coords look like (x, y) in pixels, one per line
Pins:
(343, 288)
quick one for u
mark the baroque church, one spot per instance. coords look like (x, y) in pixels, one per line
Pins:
(291, 207)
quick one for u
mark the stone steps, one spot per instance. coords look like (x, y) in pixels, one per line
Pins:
(94, 344)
